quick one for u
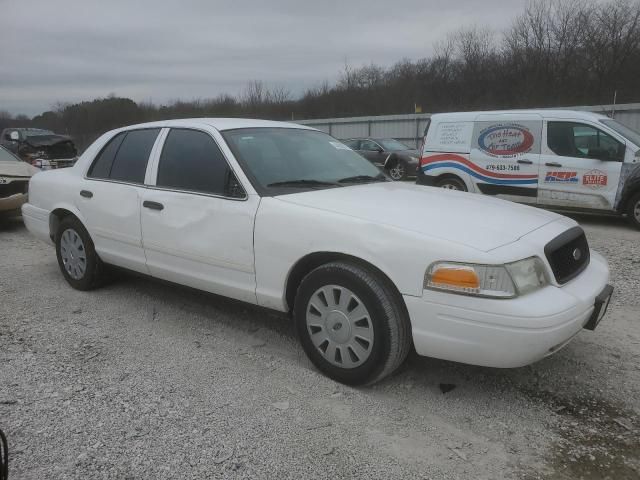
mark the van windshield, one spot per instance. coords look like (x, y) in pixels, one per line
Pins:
(626, 132)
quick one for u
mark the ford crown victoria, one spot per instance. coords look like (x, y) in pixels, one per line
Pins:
(288, 218)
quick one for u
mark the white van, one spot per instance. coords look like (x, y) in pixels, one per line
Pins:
(556, 158)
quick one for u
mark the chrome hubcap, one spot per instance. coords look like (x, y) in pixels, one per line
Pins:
(340, 326)
(73, 254)
(397, 172)
(450, 186)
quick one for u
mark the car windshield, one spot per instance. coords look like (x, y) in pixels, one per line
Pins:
(393, 145)
(626, 132)
(37, 132)
(6, 156)
(280, 160)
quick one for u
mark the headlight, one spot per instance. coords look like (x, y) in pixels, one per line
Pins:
(414, 159)
(528, 274)
(496, 281)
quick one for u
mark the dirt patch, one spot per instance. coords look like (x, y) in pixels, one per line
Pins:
(598, 440)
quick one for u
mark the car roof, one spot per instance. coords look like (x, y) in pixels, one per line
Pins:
(220, 124)
(551, 113)
(375, 139)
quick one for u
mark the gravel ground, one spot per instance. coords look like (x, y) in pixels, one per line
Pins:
(144, 380)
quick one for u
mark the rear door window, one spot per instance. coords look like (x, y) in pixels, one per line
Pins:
(192, 161)
(130, 163)
(101, 167)
(125, 157)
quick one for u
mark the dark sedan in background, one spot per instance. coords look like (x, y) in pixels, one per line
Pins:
(398, 160)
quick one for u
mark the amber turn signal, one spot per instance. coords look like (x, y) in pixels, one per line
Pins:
(461, 277)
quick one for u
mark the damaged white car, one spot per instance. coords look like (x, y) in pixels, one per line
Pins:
(288, 218)
(14, 183)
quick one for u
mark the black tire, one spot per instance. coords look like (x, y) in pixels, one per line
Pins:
(94, 269)
(452, 183)
(633, 211)
(390, 321)
(397, 170)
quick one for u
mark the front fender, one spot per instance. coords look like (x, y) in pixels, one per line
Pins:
(286, 232)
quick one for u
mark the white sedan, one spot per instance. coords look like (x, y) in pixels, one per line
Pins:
(288, 218)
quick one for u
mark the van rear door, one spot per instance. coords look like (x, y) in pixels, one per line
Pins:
(505, 155)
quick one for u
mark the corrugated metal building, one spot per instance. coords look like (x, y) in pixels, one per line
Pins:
(409, 128)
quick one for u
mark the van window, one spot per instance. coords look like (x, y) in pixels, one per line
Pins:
(631, 135)
(570, 139)
(451, 137)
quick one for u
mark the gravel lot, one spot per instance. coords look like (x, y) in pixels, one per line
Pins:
(145, 380)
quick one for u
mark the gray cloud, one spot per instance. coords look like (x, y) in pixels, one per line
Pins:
(72, 50)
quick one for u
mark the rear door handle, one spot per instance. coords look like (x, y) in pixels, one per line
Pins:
(152, 205)
(525, 162)
(553, 164)
(86, 193)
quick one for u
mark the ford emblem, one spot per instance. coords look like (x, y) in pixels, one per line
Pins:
(577, 254)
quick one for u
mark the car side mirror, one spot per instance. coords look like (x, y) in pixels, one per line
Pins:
(14, 136)
(379, 149)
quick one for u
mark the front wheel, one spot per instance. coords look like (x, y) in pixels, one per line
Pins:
(351, 323)
(451, 183)
(77, 258)
(633, 211)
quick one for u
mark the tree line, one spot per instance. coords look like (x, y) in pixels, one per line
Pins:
(555, 53)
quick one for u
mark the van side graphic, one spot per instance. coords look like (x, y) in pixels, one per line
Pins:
(449, 160)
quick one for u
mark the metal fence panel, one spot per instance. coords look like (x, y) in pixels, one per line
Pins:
(409, 128)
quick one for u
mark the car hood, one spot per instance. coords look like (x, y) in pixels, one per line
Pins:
(16, 169)
(46, 140)
(408, 153)
(477, 221)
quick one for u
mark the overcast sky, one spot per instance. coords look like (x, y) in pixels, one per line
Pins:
(158, 50)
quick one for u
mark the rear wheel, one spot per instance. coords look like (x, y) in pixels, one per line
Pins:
(452, 183)
(633, 211)
(77, 258)
(351, 323)
(397, 171)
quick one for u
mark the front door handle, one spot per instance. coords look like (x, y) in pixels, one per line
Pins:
(152, 205)
(525, 161)
(553, 164)
(86, 193)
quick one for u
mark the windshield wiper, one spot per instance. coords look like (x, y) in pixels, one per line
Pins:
(304, 183)
(363, 179)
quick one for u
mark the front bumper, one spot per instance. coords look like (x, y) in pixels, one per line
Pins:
(505, 333)
(55, 163)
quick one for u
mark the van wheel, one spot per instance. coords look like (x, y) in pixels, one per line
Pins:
(77, 258)
(633, 211)
(452, 183)
(351, 324)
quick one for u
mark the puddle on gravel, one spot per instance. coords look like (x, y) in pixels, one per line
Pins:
(598, 440)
